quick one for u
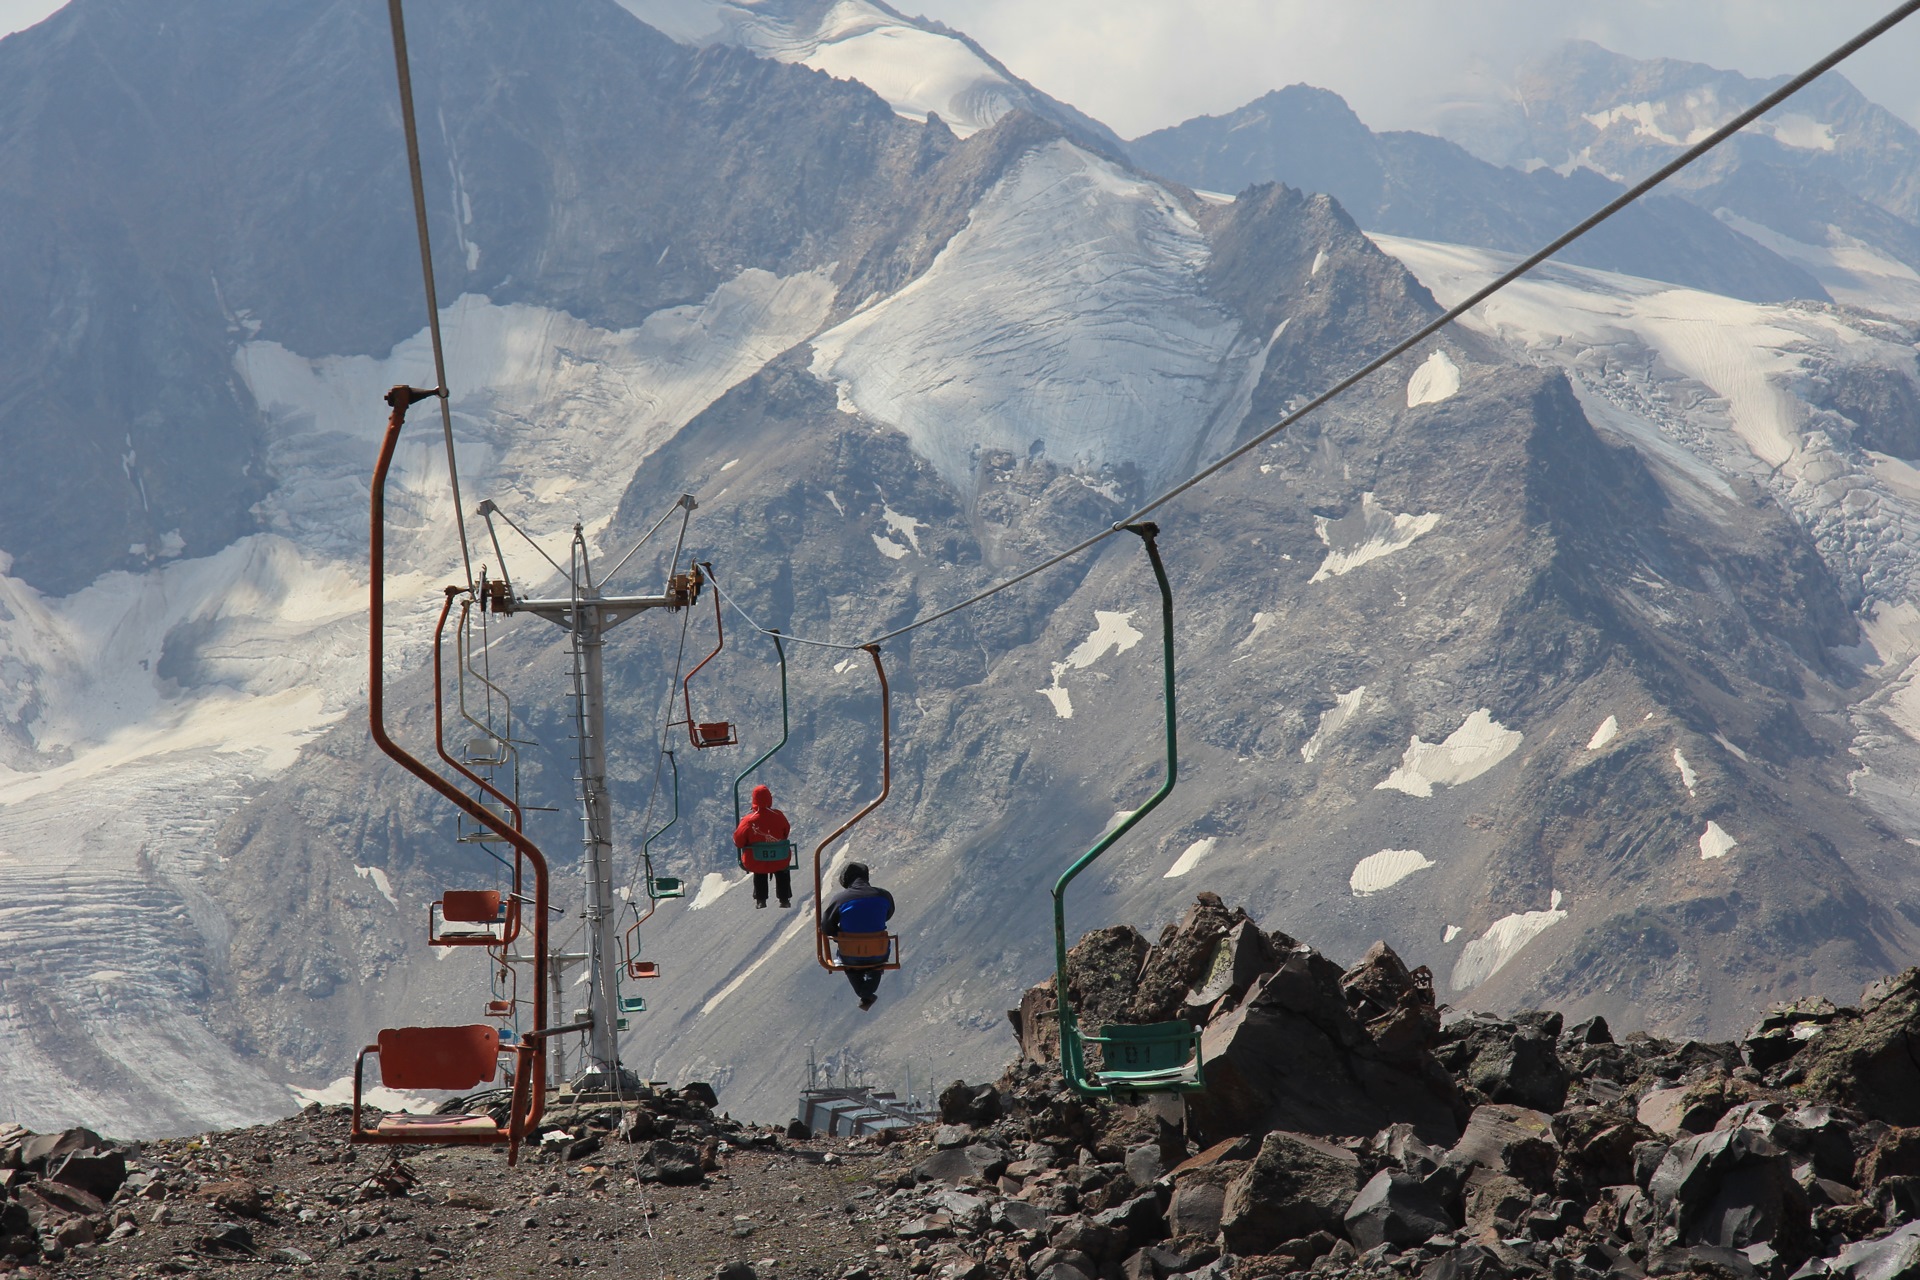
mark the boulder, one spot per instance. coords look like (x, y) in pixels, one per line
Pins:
(1296, 1185)
(672, 1164)
(1867, 1063)
(1198, 1203)
(1134, 1222)
(975, 1162)
(1730, 1188)
(1508, 1061)
(975, 1104)
(1103, 970)
(1210, 946)
(1291, 1056)
(1396, 1209)
(1894, 1256)
(1895, 1155)
(95, 1171)
(1394, 1003)
(1785, 1029)
(1240, 958)
(1017, 1215)
(1145, 1164)
(38, 1151)
(1511, 1140)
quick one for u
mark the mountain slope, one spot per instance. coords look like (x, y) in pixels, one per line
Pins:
(1830, 180)
(1414, 185)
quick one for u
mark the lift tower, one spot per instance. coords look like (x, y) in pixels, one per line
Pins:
(587, 613)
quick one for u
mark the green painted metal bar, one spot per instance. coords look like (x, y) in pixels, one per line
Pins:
(1072, 1053)
(646, 850)
(781, 651)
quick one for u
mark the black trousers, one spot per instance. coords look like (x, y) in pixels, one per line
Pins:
(865, 981)
(782, 884)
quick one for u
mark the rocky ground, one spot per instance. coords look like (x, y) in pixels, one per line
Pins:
(1348, 1129)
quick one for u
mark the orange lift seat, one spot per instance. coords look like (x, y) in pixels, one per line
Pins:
(431, 1058)
(479, 913)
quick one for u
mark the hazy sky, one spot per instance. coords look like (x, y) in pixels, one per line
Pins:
(1141, 64)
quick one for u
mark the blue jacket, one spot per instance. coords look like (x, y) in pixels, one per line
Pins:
(861, 909)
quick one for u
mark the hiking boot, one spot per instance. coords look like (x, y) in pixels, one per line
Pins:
(866, 1002)
(785, 903)
(761, 903)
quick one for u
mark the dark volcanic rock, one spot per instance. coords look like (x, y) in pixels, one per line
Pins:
(1731, 1188)
(1296, 1185)
(1870, 1064)
(1397, 1209)
(1292, 1056)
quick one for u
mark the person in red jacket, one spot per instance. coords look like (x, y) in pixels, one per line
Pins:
(765, 824)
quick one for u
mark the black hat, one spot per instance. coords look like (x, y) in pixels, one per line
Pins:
(856, 873)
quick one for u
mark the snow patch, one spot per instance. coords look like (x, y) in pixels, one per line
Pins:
(710, 890)
(378, 879)
(836, 502)
(1480, 743)
(1112, 632)
(1332, 720)
(1436, 380)
(906, 526)
(1190, 858)
(1363, 536)
(1484, 956)
(888, 547)
(1319, 261)
(1608, 730)
(1687, 775)
(1715, 842)
(1068, 314)
(1385, 869)
(1452, 932)
(1731, 749)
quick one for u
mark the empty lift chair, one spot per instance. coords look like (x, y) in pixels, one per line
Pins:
(1159, 1057)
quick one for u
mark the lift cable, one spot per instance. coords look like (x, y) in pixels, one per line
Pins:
(1899, 14)
(405, 75)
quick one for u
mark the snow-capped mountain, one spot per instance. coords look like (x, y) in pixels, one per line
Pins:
(1830, 181)
(920, 67)
(1411, 184)
(1569, 655)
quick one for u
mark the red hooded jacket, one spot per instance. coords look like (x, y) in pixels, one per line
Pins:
(763, 822)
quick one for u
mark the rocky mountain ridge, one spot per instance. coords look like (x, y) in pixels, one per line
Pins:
(1531, 1147)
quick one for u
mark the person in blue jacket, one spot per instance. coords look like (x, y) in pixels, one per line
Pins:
(859, 908)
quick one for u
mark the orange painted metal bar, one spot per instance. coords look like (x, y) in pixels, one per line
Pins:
(529, 1086)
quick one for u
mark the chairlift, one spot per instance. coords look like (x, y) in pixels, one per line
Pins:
(1159, 1057)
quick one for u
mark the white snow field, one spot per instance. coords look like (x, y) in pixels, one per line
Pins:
(135, 714)
(1190, 857)
(1363, 536)
(1068, 316)
(1480, 743)
(1383, 870)
(1113, 632)
(1332, 720)
(1435, 380)
(1484, 956)
(1715, 842)
(917, 71)
(1609, 729)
